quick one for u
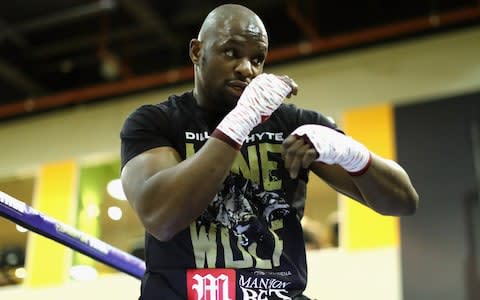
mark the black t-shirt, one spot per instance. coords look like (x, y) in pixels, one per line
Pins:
(250, 235)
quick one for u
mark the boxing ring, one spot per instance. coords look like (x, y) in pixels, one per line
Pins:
(31, 219)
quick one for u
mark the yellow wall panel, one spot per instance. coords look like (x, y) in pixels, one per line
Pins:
(362, 227)
(48, 262)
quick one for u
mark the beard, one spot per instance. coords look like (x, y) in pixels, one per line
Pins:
(223, 100)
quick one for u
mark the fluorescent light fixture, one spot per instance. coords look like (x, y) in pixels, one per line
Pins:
(114, 189)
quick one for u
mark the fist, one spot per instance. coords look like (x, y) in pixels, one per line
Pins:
(297, 153)
(266, 93)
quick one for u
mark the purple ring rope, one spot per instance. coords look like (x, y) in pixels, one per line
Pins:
(25, 216)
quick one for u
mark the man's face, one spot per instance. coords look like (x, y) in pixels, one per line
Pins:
(232, 56)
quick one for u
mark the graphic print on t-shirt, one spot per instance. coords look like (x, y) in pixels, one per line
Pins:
(246, 210)
(243, 219)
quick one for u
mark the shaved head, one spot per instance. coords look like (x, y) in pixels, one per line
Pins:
(229, 52)
(221, 19)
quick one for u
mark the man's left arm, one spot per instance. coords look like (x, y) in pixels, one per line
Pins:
(350, 168)
(385, 186)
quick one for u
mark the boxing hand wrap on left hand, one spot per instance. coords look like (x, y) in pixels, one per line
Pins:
(335, 148)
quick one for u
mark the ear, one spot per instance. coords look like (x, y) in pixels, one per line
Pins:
(195, 49)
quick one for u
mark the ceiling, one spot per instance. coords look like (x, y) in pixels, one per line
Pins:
(58, 53)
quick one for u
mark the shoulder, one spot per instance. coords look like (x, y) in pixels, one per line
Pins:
(151, 126)
(154, 113)
(173, 102)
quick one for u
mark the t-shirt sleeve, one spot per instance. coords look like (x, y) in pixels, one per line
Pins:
(144, 129)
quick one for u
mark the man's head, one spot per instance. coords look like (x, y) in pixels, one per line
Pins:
(229, 52)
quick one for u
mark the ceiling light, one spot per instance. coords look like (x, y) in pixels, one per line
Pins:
(114, 189)
(115, 213)
(20, 273)
(109, 67)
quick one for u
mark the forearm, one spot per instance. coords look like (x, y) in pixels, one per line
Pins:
(386, 188)
(350, 168)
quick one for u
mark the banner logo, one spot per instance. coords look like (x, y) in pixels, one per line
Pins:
(211, 284)
(259, 288)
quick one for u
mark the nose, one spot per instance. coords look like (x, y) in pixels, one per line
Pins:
(244, 67)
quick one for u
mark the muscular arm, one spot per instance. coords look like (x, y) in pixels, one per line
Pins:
(385, 186)
(167, 193)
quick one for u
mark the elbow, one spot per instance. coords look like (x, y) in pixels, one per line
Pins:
(162, 235)
(406, 206)
(160, 221)
(160, 228)
(157, 223)
(411, 206)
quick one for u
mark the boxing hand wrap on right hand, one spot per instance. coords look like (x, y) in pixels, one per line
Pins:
(258, 101)
(335, 148)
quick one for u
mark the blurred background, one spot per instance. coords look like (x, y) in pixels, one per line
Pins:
(56, 53)
(401, 76)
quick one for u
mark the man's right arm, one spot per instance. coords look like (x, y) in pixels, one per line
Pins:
(167, 193)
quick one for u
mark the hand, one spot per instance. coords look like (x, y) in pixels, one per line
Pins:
(293, 85)
(333, 147)
(297, 153)
(259, 100)
(265, 94)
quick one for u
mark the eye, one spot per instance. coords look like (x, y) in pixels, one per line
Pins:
(230, 53)
(258, 60)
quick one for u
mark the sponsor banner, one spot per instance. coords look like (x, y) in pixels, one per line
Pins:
(263, 287)
(223, 284)
(211, 284)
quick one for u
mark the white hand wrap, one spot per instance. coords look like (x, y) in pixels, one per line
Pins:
(258, 101)
(335, 148)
